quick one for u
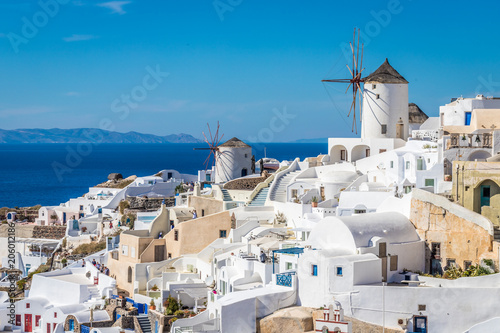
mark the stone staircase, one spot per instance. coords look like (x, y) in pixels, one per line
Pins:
(279, 191)
(94, 293)
(260, 199)
(226, 195)
(144, 323)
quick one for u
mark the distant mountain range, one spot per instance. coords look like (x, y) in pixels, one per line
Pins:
(90, 135)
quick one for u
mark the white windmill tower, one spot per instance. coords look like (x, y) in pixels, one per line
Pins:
(385, 104)
(384, 113)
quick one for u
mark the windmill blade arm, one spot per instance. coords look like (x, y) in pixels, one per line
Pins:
(338, 80)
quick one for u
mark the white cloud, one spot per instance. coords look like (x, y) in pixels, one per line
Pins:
(115, 6)
(78, 38)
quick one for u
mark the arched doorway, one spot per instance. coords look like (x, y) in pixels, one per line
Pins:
(483, 193)
(359, 152)
(244, 172)
(338, 153)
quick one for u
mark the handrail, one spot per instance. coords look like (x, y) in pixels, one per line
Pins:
(291, 168)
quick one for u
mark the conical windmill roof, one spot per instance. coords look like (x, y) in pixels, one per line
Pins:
(385, 74)
(416, 115)
(234, 143)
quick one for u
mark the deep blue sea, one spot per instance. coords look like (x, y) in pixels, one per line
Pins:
(49, 174)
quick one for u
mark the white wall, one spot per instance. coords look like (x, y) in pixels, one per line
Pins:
(388, 109)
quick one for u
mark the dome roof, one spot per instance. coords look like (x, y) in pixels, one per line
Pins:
(352, 232)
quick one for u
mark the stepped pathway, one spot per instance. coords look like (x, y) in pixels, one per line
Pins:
(279, 191)
(94, 293)
(226, 195)
(260, 198)
(145, 323)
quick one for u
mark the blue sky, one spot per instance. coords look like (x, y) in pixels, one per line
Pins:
(241, 62)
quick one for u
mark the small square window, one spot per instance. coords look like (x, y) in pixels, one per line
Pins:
(176, 235)
(384, 129)
(222, 233)
(421, 307)
(314, 271)
(374, 86)
(81, 207)
(377, 96)
(339, 271)
(27, 305)
(407, 165)
(392, 164)
(55, 314)
(467, 264)
(429, 182)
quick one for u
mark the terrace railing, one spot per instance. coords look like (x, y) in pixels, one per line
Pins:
(465, 140)
(284, 279)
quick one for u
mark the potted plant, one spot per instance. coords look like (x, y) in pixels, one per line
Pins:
(154, 288)
(314, 201)
(152, 305)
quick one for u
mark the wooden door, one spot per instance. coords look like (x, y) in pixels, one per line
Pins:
(485, 195)
(159, 252)
(382, 250)
(27, 323)
(399, 131)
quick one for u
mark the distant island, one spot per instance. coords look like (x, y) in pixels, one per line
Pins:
(87, 135)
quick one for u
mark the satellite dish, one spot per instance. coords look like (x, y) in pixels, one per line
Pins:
(209, 280)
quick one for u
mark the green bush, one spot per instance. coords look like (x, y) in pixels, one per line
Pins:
(179, 314)
(89, 248)
(21, 283)
(488, 262)
(171, 305)
(124, 204)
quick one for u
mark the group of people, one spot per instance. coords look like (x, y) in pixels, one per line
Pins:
(101, 268)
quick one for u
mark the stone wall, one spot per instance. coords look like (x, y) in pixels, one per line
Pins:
(141, 203)
(459, 232)
(302, 319)
(49, 232)
(244, 183)
(163, 325)
(124, 322)
(77, 329)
